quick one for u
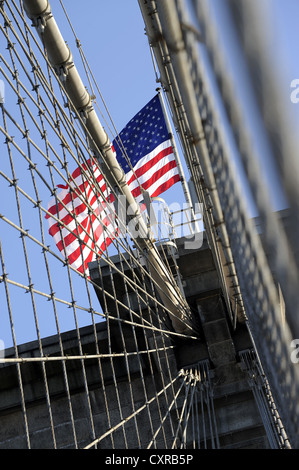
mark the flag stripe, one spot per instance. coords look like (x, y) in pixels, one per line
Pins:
(166, 185)
(73, 196)
(147, 185)
(148, 161)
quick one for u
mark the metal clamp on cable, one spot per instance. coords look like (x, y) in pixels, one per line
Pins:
(39, 23)
(62, 70)
(39, 16)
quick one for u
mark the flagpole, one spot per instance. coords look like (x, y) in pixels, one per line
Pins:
(177, 158)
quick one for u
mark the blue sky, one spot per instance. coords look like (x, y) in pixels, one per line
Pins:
(113, 39)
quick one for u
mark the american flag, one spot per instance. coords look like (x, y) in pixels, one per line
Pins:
(146, 142)
(84, 225)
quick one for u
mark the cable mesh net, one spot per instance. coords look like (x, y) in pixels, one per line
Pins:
(56, 319)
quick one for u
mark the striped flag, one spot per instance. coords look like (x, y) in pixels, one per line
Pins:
(86, 223)
(83, 224)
